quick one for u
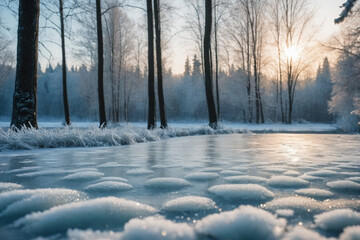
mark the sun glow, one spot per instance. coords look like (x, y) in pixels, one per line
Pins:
(291, 53)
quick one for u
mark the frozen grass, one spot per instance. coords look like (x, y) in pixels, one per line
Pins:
(95, 137)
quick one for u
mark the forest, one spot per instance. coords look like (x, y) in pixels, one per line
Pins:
(261, 62)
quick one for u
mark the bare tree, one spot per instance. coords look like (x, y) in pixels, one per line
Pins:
(100, 66)
(151, 76)
(159, 64)
(25, 100)
(213, 120)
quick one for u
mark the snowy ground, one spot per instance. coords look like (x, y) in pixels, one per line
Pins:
(87, 134)
(235, 186)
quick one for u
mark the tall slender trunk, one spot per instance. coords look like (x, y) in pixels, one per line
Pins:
(159, 64)
(24, 112)
(102, 112)
(216, 61)
(213, 120)
(151, 77)
(64, 81)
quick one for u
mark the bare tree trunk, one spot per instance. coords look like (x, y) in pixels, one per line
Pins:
(102, 112)
(159, 64)
(25, 101)
(151, 77)
(216, 62)
(213, 120)
(64, 68)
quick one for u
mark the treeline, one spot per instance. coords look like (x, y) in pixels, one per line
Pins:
(252, 62)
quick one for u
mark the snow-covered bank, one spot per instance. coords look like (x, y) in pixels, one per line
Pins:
(53, 135)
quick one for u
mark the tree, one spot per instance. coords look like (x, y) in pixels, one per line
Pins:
(348, 5)
(151, 76)
(213, 120)
(100, 65)
(187, 67)
(64, 68)
(159, 64)
(25, 100)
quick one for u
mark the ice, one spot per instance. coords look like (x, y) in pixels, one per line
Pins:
(350, 233)
(42, 173)
(322, 173)
(238, 192)
(354, 179)
(18, 203)
(109, 186)
(285, 212)
(23, 169)
(116, 179)
(189, 204)
(139, 172)
(287, 182)
(314, 193)
(166, 166)
(245, 179)
(211, 169)
(109, 165)
(245, 222)
(202, 176)
(274, 169)
(301, 233)
(292, 173)
(166, 183)
(8, 186)
(343, 185)
(83, 176)
(230, 173)
(311, 178)
(337, 220)
(100, 213)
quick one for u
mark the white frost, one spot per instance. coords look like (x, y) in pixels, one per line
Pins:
(80, 176)
(236, 192)
(245, 179)
(189, 204)
(245, 222)
(343, 185)
(202, 176)
(314, 193)
(139, 172)
(350, 233)
(337, 220)
(166, 183)
(301, 233)
(98, 213)
(8, 186)
(109, 186)
(287, 182)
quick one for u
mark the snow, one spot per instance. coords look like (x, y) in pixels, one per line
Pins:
(354, 179)
(287, 182)
(245, 222)
(109, 186)
(189, 180)
(139, 172)
(157, 228)
(116, 179)
(202, 176)
(83, 176)
(245, 179)
(337, 220)
(301, 233)
(189, 204)
(98, 213)
(351, 233)
(298, 204)
(18, 203)
(344, 185)
(166, 183)
(8, 186)
(238, 192)
(53, 135)
(314, 193)
(285, 212)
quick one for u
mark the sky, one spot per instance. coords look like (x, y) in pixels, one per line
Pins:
(326, 11)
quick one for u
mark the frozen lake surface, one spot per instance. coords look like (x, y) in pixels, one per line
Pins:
(237, 186)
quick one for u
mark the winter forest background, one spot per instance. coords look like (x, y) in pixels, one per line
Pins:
(257, 45)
